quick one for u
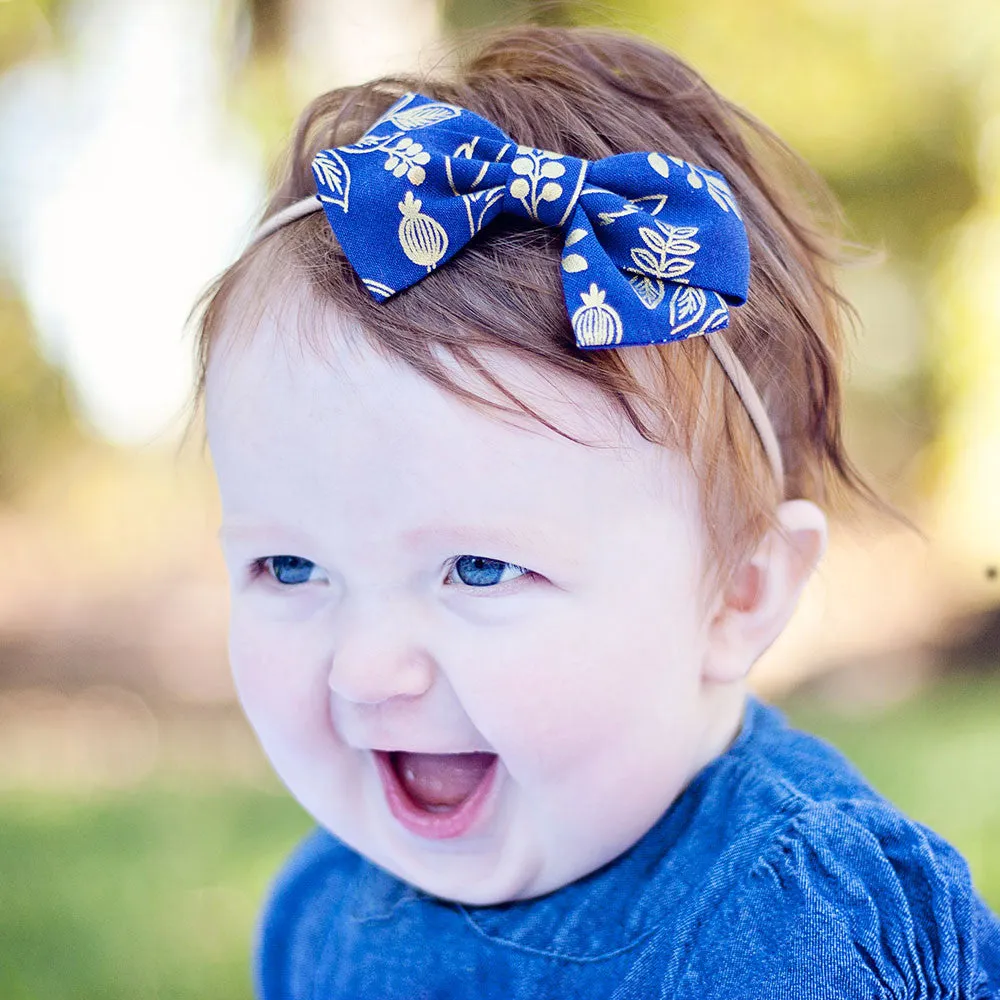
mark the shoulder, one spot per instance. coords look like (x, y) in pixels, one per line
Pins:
(846, 897)
(292, 928)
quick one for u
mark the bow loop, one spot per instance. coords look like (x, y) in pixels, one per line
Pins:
(655, 248)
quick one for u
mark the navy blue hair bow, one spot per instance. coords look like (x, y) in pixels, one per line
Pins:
(655, 247)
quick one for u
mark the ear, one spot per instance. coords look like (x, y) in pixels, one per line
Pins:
(761, 597)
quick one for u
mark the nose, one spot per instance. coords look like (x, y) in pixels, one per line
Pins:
(379, 655)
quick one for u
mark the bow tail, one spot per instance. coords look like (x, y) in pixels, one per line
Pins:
(610, 307)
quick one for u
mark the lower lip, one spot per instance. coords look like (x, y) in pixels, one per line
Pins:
(433, 826)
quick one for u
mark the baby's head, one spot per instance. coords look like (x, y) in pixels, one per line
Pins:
(452, 531)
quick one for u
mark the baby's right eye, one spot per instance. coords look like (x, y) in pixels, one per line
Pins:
(289, 570)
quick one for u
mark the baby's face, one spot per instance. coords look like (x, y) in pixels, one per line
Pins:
(411, 574)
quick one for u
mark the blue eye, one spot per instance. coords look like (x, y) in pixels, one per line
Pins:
(289, 570)
(477, 571)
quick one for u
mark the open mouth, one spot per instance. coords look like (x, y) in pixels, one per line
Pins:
(436, 795)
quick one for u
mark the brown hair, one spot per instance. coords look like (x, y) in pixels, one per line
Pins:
(592, 93)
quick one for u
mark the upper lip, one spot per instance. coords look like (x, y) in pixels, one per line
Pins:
(408, 750)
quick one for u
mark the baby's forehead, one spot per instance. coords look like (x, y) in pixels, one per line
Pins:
(307, 388)
(302, 348)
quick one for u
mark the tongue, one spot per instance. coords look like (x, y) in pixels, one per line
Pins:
(441, 780)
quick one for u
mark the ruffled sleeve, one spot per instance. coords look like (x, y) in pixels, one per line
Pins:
(848, 899)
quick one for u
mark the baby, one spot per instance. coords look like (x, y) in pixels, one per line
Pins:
(522, 402)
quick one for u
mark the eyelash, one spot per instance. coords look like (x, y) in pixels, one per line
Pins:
(259, 567)
(525, 573)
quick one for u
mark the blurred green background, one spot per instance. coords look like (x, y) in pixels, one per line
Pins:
(139, 824)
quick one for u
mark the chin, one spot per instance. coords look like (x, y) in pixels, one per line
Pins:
(472, 881)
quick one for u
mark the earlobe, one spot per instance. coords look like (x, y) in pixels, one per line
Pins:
(763, 594)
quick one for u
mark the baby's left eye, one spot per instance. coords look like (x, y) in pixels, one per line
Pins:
(478, 571)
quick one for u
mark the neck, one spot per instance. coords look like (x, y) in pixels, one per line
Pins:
(723, 705)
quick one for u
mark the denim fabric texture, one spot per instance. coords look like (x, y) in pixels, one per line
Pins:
(777, 873)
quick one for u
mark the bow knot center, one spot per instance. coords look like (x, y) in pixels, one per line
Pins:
(543, 186)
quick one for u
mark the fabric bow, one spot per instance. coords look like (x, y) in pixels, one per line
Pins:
(655, 247)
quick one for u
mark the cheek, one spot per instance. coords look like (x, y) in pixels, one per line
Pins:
(279, 677)
(554, 698)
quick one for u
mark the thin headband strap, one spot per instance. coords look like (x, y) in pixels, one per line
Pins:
(288, 214)
(730, 363)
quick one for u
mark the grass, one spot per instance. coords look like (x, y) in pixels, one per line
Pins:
(153, 892)
(937, 758)
(150, 893)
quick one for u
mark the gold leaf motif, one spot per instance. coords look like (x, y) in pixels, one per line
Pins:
(648, 290)
(654, 259)
(677, 266)
(365, 141)
(331, 172)
(722, 196)
(719, 190)
(646, 261)
(595, 323)
(423, 239)
(659, 164)
(718, 318)
(553, 169)
(423, 115)
(679, 238)
(653, 239)
(575, 236)
(550, 191)
(573, 262)
(687, 305)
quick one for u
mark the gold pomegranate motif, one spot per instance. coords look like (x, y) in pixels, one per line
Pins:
(595, 323)
(422, 238)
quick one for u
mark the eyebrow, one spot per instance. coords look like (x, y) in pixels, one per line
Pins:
(491, 535)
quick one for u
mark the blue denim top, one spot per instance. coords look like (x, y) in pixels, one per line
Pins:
(778, 872)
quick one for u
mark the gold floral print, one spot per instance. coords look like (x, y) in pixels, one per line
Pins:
(536, 167)
(595, 323)
(423, 115)
(667, 252)
(698, 177)
(331, 171)
(408, 157)
(477, 203)
(650, 291)
(688, 307)
(632, 206)
(378, 288)
(423, 239)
